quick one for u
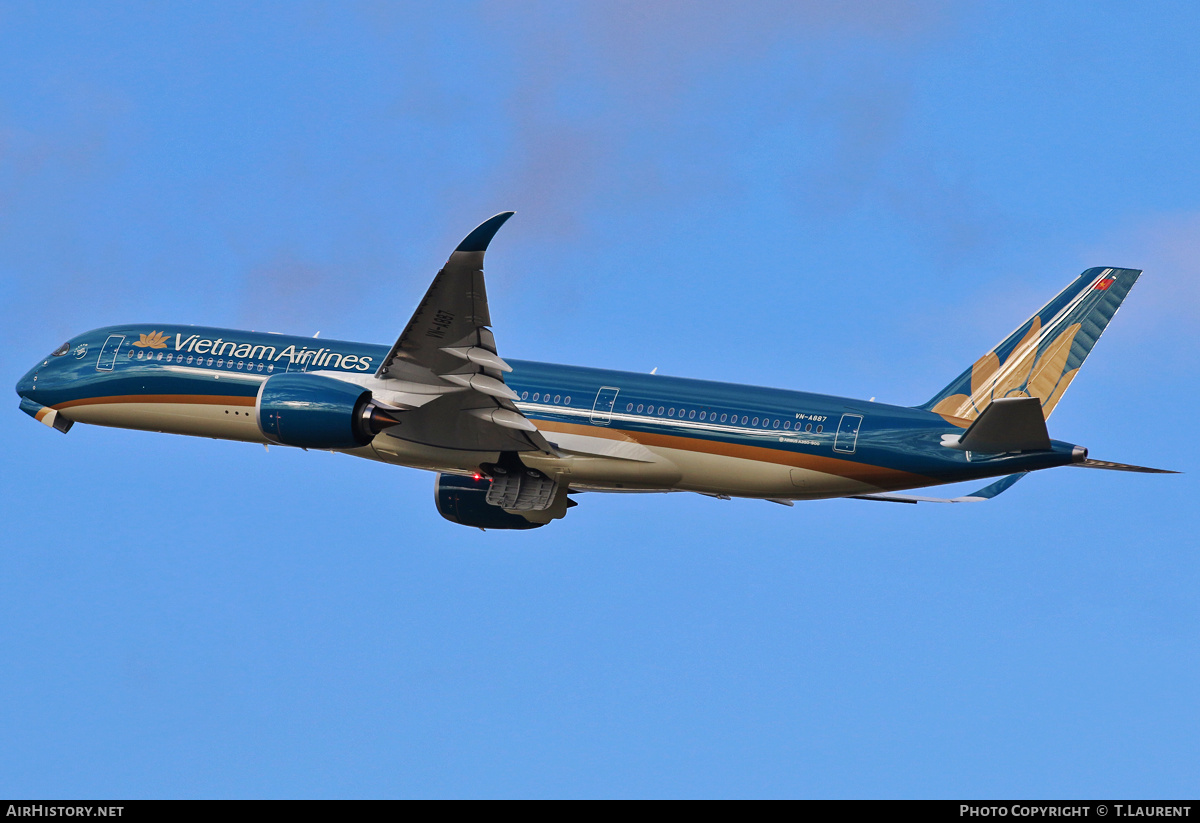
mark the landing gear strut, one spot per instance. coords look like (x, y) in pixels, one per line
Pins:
(516, 487)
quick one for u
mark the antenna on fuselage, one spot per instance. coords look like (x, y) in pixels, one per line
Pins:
(653, 370)
(318, 334)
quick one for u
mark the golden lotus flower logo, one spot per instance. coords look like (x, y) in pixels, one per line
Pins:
(1023, 374)
(153, 340)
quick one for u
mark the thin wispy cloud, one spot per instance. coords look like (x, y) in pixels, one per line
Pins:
(1167, 248)
(607, 105)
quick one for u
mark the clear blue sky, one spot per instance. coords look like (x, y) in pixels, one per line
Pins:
(851, 198)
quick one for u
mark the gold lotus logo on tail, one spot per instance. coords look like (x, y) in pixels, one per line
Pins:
(153, 340)
(1023, 374)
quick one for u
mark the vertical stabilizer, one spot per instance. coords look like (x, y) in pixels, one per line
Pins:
(1040, 358)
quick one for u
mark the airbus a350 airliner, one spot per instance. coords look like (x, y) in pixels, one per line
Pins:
(511, 441)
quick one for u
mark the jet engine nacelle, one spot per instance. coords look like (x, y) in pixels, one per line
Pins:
(316, 412)
(463, 500)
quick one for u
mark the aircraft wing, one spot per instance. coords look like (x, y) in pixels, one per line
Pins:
(443, 372)
(977, 496)
(449, 327)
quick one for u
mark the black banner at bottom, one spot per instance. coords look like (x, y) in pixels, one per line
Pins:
(1140, 810)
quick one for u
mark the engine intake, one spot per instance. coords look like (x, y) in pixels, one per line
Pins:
(316, 412)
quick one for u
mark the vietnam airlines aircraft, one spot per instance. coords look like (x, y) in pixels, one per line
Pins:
(511, 441)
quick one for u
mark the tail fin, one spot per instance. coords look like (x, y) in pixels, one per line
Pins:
(1041, 358)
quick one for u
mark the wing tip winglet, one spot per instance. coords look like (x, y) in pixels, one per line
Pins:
(479, 239)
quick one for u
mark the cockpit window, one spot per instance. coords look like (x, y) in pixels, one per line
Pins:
(61, 350)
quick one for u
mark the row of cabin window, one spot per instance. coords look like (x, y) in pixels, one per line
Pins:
(545, 398)
(670, 412)
(712, 416)
(220, 361)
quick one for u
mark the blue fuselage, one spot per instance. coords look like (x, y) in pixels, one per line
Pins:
(205, 381)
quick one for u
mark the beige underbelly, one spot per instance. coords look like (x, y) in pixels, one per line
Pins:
(228, 422)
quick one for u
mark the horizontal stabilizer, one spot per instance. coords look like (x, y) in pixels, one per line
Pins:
(986, 493)
(1010, 424)
(1120, 467)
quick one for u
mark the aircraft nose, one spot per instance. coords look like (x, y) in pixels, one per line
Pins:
(25, 384)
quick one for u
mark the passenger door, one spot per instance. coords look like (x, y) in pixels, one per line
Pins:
(108, 353)
(606, 398)
(847, 433)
